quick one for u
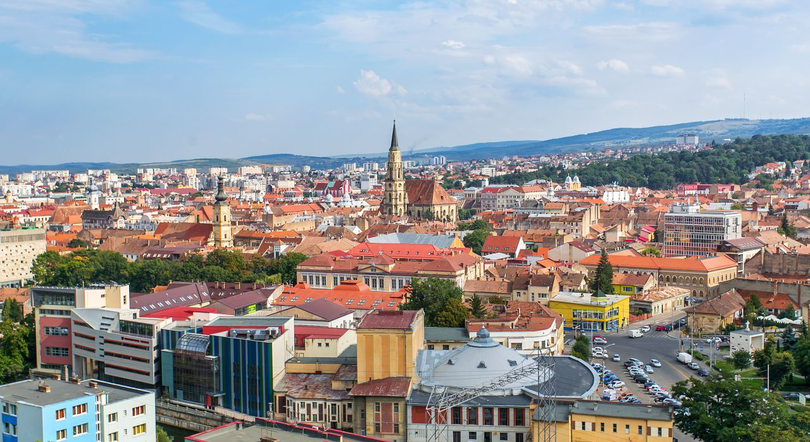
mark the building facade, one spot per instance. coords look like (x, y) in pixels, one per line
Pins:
(586, 312)
(18, 249)
(74, 411)
(689, 232)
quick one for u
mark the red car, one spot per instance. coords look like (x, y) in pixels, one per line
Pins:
(660, 328)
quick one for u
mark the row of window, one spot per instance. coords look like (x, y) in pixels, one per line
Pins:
(56, 331)
(651, 431)
(57, 351)
(487, 436)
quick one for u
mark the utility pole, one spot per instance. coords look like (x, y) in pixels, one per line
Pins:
(768, 379)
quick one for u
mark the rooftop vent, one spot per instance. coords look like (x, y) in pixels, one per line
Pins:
(44, 388)
(512, 363)
(482, 365)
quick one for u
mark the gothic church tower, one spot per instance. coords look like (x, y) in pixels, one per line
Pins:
(395, 202)
(222, 217)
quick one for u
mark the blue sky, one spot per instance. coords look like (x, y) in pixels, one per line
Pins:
(140, 80)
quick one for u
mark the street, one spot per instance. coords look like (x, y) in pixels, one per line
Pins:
(658, 345)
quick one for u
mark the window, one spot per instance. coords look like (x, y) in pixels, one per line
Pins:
(602, 427)
(504, 436)
(376, 407)
(10, 409)
(112, 417)
(138, 429)
(518, 437)
(137, 411)
(457, 436)
(640, 430)
(10, 429)
(627, 429)
(60, 414)
(456, 416)
(396, 408)
(614, 428)
(57, 351)
(79, 409)
(519, 417)
(61, 434)
(78, 430)
(503, 417)
(396, 428)
(488, 416)
(582, 426)
(472, 416)
(660, 432)
(473, 435)
(112, 437)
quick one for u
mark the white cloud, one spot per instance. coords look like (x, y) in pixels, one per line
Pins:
(613, 64)
(371, 85)
(453, 44)
(667, 70)
(340, 90)
(570, 67)
(717, 78)
(49, 26)
(257, 117)
(200, 14)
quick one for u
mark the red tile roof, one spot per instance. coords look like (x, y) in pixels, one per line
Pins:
(388, 387)
(392, 319)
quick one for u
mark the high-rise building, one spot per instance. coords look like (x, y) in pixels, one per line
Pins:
(19, 248)
(222, 217)
(70, 410)
(690, 232)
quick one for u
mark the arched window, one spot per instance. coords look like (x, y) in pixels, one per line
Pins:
(667, 278)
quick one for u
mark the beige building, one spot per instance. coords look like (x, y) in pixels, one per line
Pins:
(710, 316)
(599, 421)
(702, 277)
(18, 250)
(659, 300)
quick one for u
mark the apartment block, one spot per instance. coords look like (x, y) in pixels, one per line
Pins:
(18, 250)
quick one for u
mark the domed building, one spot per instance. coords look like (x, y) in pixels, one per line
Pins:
(502, 409)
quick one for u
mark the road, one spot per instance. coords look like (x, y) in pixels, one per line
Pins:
(654, 345)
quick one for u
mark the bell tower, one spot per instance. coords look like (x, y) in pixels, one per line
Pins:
(222, 217)
(395, 199)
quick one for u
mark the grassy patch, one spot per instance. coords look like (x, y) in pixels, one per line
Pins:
(724, 367)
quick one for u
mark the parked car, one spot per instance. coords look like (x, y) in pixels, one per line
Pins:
(655, 363)
(693, 366)
(616, 358)
(616, 384)
(645, 328)
(599, 340)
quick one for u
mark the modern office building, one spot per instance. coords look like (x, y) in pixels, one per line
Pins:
(54, 327)
(116, 345)
(230, 362)
(690, 232)
(73, 411)
(18, 250)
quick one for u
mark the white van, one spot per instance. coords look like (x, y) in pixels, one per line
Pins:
(636, 333)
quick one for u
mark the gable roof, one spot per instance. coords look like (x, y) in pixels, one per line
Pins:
(325, 309)
(426, 193)
(724, 305)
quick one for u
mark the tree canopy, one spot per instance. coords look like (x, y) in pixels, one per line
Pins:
(89, 266)
(603, 281)
(440, 299)
(727, 163)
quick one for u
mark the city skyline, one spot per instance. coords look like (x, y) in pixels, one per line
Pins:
(141, 81)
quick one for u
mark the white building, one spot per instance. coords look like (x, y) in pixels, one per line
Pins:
(690, 232)
(18, 249)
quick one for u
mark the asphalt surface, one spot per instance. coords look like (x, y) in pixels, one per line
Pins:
(653, 345)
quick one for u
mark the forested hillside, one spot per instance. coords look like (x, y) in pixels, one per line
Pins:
(727, 163)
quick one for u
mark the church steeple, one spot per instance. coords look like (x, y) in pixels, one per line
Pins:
(394, 142)
(222, 234)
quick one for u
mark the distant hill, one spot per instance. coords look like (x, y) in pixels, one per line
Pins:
(612, 138)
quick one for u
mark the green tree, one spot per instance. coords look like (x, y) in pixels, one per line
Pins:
(76, 243)
(786, 228)
(13, 351)
(782, 366)
(770, 210)
(724, 410)
(12, 310)
(478, 224)
(582, 347)
(475, 239)
(752, 306)
(452, 315)
(651, 251)
(288, 264)
(147, 274)
(737, 206)
(741, 359)
(801, 356)
(434, 295)
(477, 307)
(603, 281)
(789, 313)
(163, 436)
(789, 339)
(764, 357)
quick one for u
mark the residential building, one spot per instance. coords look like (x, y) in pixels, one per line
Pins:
(689, 232)
(523, 326)
(702, 276)
(52, 315)
(230, 362)
(598, 421)
(631, 283)
(659, 300)
(509, 245)
(710, 316)
(591, 312)
(387, 346)
(388, 273)
(18, 250)
(73, 410)
(321, 312)
(740, 250)
(104, 219)
(350, 294)
(573, 251)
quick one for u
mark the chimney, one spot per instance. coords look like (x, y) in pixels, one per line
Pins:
(65, 374)
(93, 384)
(649, 408)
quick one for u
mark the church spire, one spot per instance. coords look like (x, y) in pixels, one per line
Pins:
(220, 196)
(394, 142)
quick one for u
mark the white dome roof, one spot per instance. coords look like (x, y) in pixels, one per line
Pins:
(478, 362)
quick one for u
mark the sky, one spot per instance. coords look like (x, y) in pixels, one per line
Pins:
(141, 80)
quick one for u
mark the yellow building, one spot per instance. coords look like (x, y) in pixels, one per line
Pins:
(587, 312)
(586, 421)
(387, 346)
